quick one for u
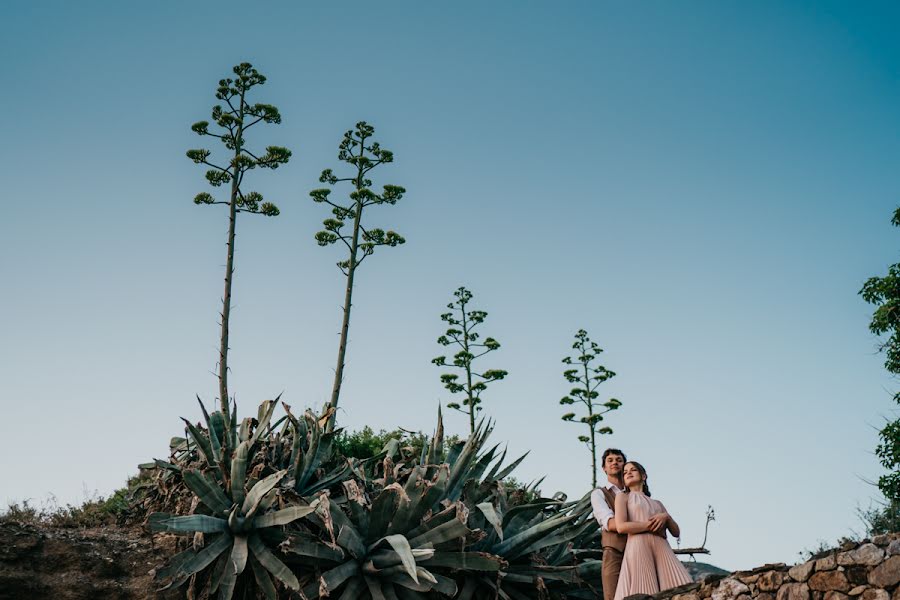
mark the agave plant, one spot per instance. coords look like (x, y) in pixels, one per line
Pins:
(395, 526)
(237, 492)
(234, 532)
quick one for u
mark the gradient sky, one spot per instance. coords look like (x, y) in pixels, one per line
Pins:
(702, 186)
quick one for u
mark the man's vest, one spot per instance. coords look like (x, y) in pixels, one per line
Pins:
(609, 539)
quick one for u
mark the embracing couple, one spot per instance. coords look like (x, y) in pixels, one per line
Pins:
(637, 558)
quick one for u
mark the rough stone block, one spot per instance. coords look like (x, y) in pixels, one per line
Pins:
(881, 540)
(793, 591)
(802, 571)
(873, 594)
(886, 574)
(893, 548)
(832, 595)
(826, 563)
(770, 581)
(729, 589)
(867, 554)
(765, 596)
(826, 581)
(857, 590)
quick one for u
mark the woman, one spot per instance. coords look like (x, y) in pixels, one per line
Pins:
(649, 565)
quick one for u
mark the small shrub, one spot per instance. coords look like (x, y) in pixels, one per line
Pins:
(880, 518)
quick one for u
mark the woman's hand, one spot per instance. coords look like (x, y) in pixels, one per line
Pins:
(658, 522)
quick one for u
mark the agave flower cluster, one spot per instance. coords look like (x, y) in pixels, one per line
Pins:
(274, 513)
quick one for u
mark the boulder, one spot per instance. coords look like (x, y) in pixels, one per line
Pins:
(886, 574)
(793, 591)
(873, 594)
(770, 581)
(826, 581)
(729, 589)
(893, 548)
(826, 563)
(802, 571)
(867, 554)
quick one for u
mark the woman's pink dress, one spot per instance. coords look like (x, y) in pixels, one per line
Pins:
(649, 566)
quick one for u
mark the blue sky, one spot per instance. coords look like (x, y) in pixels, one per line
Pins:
(703, 187)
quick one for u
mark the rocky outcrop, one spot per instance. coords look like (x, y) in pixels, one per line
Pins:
(867, 570)
(74, 564)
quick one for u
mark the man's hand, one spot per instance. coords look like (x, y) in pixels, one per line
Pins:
(658, 522)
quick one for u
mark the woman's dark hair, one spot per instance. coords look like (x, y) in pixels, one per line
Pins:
(643, 473)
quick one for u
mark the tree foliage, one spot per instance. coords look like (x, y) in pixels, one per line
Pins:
(587, 377)
(362, 154)
(461, 334)
(233, 119)
(884, 293)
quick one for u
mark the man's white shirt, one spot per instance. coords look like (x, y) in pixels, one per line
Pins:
(602, 512)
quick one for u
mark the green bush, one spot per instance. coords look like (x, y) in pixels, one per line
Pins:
(93, 512)
(881, 518)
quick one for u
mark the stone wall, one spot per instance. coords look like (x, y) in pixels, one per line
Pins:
(867, 570)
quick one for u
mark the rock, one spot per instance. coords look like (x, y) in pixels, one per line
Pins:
(832, 595)
(793, 591)
(896, 595)
(886, 574)
(802, 571)
(826, 581)
(867, 554)
(770, 581)
(729, 589)
(873, 594)
(881, 540)
(749, 579)
(765, 596)
(688, 591)
(826, 563)
(857, 590)
(893, 548)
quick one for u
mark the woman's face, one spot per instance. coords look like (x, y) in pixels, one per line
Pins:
(631, 474)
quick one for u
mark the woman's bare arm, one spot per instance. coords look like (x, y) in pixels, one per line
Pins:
(623, 525)
(671, 525)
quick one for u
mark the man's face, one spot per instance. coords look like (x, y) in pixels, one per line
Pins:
(612, 465)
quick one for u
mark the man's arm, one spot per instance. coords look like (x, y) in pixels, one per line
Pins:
(623, 525)
(603, 513)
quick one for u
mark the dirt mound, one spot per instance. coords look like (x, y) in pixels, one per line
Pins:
(67, 564)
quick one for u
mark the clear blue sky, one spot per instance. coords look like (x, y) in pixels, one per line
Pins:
(703, 187)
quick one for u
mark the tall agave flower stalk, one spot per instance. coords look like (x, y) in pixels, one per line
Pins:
(288, 518)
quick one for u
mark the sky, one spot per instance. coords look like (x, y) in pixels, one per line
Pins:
(702, 186)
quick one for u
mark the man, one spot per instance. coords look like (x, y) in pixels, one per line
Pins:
(603, 501)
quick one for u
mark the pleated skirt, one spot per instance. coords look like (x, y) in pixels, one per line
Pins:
(649, 566)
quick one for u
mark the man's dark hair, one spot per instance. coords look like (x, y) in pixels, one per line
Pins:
(609, 451)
